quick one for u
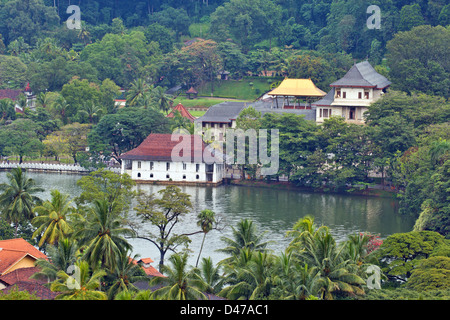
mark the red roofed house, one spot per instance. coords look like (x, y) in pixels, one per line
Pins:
(183, 111)
(17, 253)
(148, 268)
(17, 258)
(173, 158)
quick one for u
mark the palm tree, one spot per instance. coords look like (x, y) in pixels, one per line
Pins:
(103, 235)
(249, 276)
(209, 276)
(206, 220)
(164, 101)
(6, 109)
(125, 273)
(336, 272)
(179, 284)
(60, 107)
(92, 111)
(138, 90)
(51, 221)
(60, 257)
(297, 281)
(244, 237)
(18, 199)
(82, 286)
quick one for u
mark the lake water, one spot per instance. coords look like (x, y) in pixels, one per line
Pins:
(273, 211)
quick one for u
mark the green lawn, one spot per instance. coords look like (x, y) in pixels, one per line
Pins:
(197, 113)
(200, 102)
(247, 89)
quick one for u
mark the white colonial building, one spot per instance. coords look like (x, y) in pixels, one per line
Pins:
(187, 160)
(351, 95)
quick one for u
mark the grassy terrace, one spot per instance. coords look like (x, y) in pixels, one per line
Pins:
(246, 90)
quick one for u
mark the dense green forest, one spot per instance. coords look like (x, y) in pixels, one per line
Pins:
(123, 42)
(148, 47)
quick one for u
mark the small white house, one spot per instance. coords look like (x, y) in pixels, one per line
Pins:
(185, 159)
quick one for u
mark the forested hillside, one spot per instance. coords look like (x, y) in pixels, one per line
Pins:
(146, 39)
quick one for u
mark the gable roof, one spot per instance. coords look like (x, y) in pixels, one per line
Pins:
(158, 147)
(183, 111)
(297, 88)
(362, 75)
(325, 101)
(223, 112)
(14, 250)
(148, 269)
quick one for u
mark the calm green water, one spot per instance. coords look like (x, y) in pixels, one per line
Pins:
(273, 211)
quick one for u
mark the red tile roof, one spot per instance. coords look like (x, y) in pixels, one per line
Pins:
(148, 269)
(146, 260)
(9, 93)
(158, 147)
(39, 290)
(21, 274)
(14, 250)
(192, 90)
(183, 111)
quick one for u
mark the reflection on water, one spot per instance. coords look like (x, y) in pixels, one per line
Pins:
(274, 211)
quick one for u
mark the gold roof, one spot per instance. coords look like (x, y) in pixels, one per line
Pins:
(297, 87)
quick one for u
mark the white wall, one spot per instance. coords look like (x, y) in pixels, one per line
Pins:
(178, 171)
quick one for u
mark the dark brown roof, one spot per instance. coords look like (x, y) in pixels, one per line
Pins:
(21, 274)
(192, 90)
(158, 147)
(35, 288)
(9, 93)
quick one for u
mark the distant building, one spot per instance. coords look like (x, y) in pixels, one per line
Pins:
(296, 94)
(192, 93)
(351, 95)
(13, 94)
(219, 118)
(17, 259)
(158, 159)
(183, 111)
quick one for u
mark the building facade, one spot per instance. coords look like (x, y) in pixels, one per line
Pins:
(351, 95)
(159, 159)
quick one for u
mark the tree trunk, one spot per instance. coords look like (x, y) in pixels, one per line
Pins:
(201, 248)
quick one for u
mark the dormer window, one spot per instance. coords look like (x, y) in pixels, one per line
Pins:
(338, 93)
(366, 94)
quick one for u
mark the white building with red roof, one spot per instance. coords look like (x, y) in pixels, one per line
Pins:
(174, 158)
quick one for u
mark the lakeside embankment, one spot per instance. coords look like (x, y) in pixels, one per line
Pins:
(371, 191)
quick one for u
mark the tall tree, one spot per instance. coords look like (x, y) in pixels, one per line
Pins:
(83, 285)
(52, 219)
(179, 283)
(104, 236)
(164, 213)
(18, 197)
(206, 220)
